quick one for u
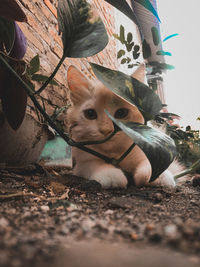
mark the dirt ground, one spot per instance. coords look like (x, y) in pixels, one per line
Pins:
(50, 218)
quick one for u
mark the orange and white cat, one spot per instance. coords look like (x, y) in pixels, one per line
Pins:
(87, 121)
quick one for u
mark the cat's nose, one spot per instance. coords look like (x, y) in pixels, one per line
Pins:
(105, 131)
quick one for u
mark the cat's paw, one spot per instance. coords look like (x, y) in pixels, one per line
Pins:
(110, 178)
(166, 179)
(142, 175)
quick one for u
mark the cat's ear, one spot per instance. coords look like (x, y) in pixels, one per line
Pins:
(79, 85)
(140, 73)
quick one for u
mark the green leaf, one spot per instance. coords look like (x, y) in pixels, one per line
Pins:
(43, 78)
(159, 148)
(122, 34)
(130, 66)
(170, 36)
(129, 37)
(34, 65)
(123, 61)
(146, 49)
(124, 7)
(128, 60)
(83, 32)
(147, 4)
(156, 36)
(163, 53)
(116, 36)
(136, 48)
(130, 90)
(120, 53)
(129, 46)
(7, 34)
(136, 55)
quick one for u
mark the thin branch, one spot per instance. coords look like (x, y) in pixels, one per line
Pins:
(194, 166)
(50, 77)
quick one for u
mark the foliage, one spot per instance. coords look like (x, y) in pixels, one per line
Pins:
(188, 145)
(83, 35)
(32, 73)
(130, 89)
(81, 27)
(157, 146)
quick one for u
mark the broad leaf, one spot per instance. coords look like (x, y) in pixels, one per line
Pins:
(130, 90)
(42, 78)
(159, 148)
(147, 4)
(124, 7)
(83, 32)
(34, 65)
(7, 34)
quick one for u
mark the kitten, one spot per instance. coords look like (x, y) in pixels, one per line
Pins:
(87, 121)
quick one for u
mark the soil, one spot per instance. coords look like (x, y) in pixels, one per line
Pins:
(49, 217)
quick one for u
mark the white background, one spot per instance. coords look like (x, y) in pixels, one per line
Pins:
(182, 87)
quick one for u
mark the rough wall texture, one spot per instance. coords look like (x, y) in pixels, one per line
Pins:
(41, 32)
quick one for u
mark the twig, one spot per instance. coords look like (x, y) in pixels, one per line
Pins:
(194, 166)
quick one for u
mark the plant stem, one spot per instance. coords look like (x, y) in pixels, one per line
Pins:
(48, 119)
(50, 77)
(189, 170)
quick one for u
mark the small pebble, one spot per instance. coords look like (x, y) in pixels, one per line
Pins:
(44, 208)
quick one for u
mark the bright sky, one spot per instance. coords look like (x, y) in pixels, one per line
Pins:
(182, 88)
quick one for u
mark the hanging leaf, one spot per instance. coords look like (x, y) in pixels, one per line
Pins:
(130, 90)
(83, 32)
(156, 36)
(7, 34)
(124, 7)
(146, 49)
(20, 44)
(14, 98)
(159, 148)
(170, 36)
(122, 34)
(130, 66)
(163, 53)
(43, 78)
(147, 4)
(34, 65)
(120, 53)
(10, 10)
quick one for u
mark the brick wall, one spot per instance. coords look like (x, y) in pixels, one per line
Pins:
(41, 32)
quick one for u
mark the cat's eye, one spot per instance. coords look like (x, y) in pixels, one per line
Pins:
(90, 114)
(121, 113)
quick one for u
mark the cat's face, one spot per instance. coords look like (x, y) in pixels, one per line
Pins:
(86, 117)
